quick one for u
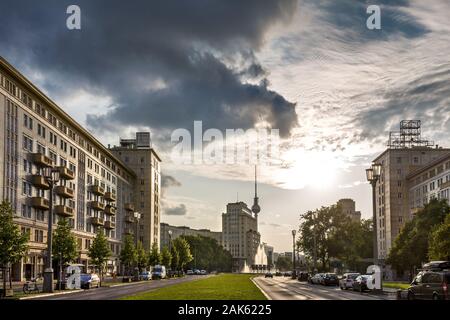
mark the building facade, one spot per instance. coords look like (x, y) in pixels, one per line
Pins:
(348, 207)
(185, 231)
(429, 182)
(138, 155)
(240, 235)
(96, 189)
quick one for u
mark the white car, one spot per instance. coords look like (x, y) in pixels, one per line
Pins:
(347, 280)
(159, 272)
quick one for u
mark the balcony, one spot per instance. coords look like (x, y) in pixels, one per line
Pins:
(63, 211)
(66, 173)
(39, 203)
(109, 196)
(64, 192)
(95, 189)
(110, 225)
(445, 185)
(129, 219)
(97, 205)
(41, 160)
(96, 221)
(39, 181)
(127, 231)
(129, 207)
(110, 210)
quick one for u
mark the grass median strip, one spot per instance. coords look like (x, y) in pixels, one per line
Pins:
(220, 287)
(396, 285)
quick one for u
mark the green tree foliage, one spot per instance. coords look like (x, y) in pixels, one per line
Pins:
(336, 237)
(410, 248)
(439, 244)
(64, 243)
(208, 254)
(175, 263)
(166, 257)
(154, 255)
(13, 244)
(284, 264)
(184, 252)
(99, 252)
(141, 257)
(128, 255)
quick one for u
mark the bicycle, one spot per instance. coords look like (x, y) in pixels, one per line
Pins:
(31, 286)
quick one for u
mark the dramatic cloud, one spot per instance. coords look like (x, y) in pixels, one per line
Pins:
(163, 64)
(169, 181)
(176, 211)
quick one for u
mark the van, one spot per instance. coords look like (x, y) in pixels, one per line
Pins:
(159, 272)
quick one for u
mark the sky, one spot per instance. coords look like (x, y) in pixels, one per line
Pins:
(309, 68)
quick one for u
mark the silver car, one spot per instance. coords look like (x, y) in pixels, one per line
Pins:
(347, 280)
(89, 280)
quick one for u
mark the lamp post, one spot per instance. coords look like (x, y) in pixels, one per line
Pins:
(137, 216)
(51, 175)
(293, 254)
(373, 175)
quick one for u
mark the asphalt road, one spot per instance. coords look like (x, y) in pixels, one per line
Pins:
(283, 288)
(112, 293)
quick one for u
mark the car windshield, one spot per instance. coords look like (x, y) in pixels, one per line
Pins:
(352, 276)
(159, 269)
(85, 277)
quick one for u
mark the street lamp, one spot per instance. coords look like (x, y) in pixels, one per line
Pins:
(373, 175)
(137, 216)
(51, 175)
(293, 253)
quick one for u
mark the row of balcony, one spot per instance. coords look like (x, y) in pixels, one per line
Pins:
(97, 221)
(43, 204)
(43, 161)
(100, 191)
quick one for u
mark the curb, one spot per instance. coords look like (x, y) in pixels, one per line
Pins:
(263, 292)
(50, 295)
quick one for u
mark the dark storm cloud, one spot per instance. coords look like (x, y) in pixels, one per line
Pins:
(169, 181)
(164, 63)
(176, 211)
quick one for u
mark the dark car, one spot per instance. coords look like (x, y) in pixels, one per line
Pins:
(303, 276)
(330, 279)
(430, 285)
(278, 274)
(360, 283)
(287, 274)
(268, 275)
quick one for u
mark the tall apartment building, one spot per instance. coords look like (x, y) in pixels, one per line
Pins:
(240, 235)
(138, 155)
(96, 189)
(429, 182)
(185, 231)
(406, 153)
(349, 208)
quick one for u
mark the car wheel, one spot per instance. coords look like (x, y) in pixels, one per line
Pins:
(361, 289)
(435, 297)
(89, 286)
(411, 296)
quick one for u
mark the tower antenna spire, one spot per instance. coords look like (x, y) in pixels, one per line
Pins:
(256, 208)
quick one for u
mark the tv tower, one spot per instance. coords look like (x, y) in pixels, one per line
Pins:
(256, 208)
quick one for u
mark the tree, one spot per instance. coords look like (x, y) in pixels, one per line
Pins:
(13, 243)
(128, 255)
(141, 256)
(64, 243)
(175, 263)
(410, 248)
(166, 257)
(184, 252)
(439, 242)
(99, 252)
(154, 256)
(208, 254)
(283, 263)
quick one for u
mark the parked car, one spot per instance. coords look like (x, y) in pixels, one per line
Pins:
(159, 272)
(145, 275)
(316, 279)
(190, 272)
(196, 271)
(303, 276)
(89, 280)
(287, 274)
(330, 279)
(203, 272)
(268, 275)
(278, 274)
(360, 283)
(430, 285)
(347, 280)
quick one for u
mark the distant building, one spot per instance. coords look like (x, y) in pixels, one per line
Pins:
(185, 231)
(348, 207)
(270, 254)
